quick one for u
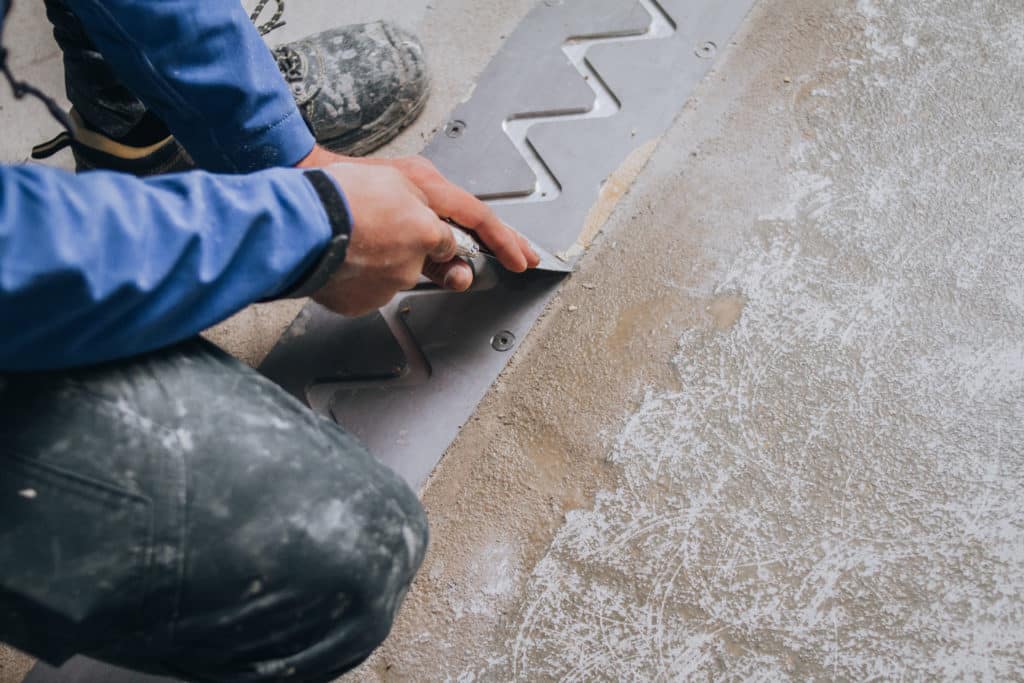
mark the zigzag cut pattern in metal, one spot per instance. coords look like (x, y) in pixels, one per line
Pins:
(573, 92)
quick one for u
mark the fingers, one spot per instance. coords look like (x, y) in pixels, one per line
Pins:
(353, 308)
(532, 257)
(438, 240)
(455, 275)
(395, 236)
(451, 201)
(512, 250)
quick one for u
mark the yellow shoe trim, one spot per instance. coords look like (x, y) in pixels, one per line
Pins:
(102, 143)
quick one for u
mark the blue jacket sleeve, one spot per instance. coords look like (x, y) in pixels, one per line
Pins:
(102, 266)
(202, 67)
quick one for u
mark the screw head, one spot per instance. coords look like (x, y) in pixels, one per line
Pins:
(453, 129)
(706, 50)
(503, 341)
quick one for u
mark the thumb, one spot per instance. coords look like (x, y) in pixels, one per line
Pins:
(445, 246)
(455, 275)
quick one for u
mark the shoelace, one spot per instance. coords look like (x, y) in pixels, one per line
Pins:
(288, 61)
(275, 21)
(21, 88)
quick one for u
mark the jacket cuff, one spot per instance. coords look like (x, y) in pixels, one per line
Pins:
(340, 218)
(283, 144)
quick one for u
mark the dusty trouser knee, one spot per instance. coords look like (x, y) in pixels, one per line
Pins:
(206, 524)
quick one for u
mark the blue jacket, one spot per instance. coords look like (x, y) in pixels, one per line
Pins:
(102, 266)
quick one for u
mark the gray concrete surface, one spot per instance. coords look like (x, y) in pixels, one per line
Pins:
(773, 427)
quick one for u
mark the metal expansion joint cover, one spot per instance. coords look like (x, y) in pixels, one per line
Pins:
(575, 90)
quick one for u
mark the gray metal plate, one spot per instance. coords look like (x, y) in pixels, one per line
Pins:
(576, 88)
(530, 75)
(85, 670)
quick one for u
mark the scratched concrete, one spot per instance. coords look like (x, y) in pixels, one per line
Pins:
(773, 428)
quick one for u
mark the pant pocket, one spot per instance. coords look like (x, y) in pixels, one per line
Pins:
(74, 554)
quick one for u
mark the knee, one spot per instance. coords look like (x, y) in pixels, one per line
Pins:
(367, 555)
(326, 540)
(376, 561)
(330, 588)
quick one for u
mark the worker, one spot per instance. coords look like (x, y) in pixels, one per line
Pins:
(162, 506)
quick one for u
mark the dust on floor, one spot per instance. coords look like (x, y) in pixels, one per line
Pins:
(775, 426)
(13, 665)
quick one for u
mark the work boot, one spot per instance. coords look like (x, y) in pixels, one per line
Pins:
(93, 150)
(356, 87)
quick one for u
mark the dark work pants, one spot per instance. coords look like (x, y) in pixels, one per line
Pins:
(90, 81)
(181, 515)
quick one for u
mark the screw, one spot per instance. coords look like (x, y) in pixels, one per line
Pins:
(503, 341)
(707, 50)
(454, 128)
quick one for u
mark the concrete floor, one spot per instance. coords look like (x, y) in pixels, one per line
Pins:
(773, 427)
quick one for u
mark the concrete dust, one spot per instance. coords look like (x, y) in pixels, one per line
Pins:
(13, 665)
(615, 186)
(725, 310)
(773, 425)
(780, 436)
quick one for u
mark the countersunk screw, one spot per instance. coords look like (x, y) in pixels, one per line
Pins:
(503, 341)
(454, 128)
(707, 50)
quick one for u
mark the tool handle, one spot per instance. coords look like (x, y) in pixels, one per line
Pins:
(485, 269)
(466, 246)
(486, 272)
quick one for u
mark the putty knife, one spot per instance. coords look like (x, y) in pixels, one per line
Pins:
(486, 267)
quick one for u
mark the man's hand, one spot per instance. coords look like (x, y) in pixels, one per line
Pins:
(450, 201)
(394, 235)
(443, 199)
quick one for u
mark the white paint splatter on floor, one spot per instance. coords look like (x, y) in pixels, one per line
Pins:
(836, 490)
